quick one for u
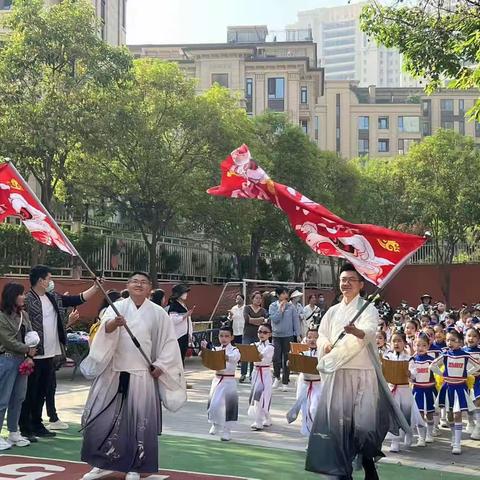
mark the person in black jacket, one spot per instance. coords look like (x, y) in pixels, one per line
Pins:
(46, 316)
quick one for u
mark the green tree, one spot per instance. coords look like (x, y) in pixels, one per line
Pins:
(151, 151)
(439, 177)
(438, 40)
(52, 63)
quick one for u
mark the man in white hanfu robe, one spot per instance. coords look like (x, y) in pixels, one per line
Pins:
(122, 416)
(354, 412)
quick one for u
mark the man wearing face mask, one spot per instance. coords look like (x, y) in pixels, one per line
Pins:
(45, 309)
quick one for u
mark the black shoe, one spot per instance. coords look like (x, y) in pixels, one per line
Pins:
(369, 467)
(241, 379)
(29, 436)
(43, 432)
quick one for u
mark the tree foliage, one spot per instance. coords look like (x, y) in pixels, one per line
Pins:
(438, 41)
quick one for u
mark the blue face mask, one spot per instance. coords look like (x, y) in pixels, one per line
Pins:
(51, 286)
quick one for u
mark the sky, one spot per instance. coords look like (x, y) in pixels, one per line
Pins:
(206, 21)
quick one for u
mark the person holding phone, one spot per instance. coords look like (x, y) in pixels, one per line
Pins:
(181, 317)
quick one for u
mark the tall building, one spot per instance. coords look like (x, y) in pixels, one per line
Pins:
(111, 13)
(269, 75)
(345, 51)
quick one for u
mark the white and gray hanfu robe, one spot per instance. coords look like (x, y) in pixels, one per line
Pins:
(122, 416)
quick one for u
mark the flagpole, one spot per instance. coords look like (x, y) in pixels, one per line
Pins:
(376, 294)
(85, 265)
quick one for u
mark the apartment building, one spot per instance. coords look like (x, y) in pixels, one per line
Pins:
(384, 122)
(281, 76)
(345, 51)
(111, 13)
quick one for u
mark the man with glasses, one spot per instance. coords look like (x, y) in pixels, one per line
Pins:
(122, 416)
(347, 423)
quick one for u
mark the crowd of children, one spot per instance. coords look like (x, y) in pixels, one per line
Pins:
(440, 352)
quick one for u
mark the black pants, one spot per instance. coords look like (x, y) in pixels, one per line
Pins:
(183, 344)
(50, 398)
(280, 358)
(38, 383)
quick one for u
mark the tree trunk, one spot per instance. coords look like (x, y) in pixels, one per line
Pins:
(153, 260)
(445, 281)
(255, 245)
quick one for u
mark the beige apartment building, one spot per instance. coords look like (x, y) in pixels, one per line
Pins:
(111, 13)
(278, 76)
(384, 122)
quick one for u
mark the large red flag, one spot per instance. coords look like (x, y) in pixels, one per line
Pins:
(376, 252)
(18, 200)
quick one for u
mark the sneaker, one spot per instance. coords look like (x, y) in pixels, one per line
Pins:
(456, 449)
(470, 427)
(421, 442)
(429, 438)
(407, 441)
(268, 421)
(255, 426)
(132, 476)
(476, 432)
(95, 473)
(276, 383)
(395, 446)
(226, 435)
(58, 425)
(4, 445)
(444, 423)
(435, 432)
(284, 388)
(241, 379)
(213, 429)
(16, 439)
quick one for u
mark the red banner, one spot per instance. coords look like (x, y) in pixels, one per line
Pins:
(376, 252)
(17, 200)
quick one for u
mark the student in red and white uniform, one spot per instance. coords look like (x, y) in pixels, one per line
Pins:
(424, 390)
(309, 388)
(454, 395)
(223, 398)
(472, 341)
(261, 391)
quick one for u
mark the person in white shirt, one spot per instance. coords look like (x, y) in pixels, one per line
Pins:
(355, 411)
(311, 314)
(236, 316)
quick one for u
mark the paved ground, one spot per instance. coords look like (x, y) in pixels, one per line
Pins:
(191, 420)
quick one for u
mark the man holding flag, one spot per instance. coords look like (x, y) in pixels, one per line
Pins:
(356, 409)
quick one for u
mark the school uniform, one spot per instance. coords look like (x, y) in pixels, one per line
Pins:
(474, 352)
(223, 399)
(308, 394)
(261, 390)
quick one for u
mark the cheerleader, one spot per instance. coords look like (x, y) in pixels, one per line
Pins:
(381, 341)
(309, 387)
(472, 340)
(223, 399)
(261, 390)
(402, 393)
(453, 395)
(411, 329)
(424, 391)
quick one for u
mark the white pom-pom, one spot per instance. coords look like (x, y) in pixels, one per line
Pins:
(32, 339)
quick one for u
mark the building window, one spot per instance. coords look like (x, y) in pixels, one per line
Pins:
(317, 126)
(383, 145)
(363, 146)
(303, 95)
(404, 144)
(446, 105)
(363, 123)
(461, 127)
(383, 123)
(426, 127)
(477, 129)
(304, 126)
(276, 94)
(461, 107)
(6, 4)
(103, 19)
(249, 95)
(221, 79)
(409, 124)
(447, 124)
(426, 108)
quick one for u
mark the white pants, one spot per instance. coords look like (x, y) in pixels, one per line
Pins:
(223, 401)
